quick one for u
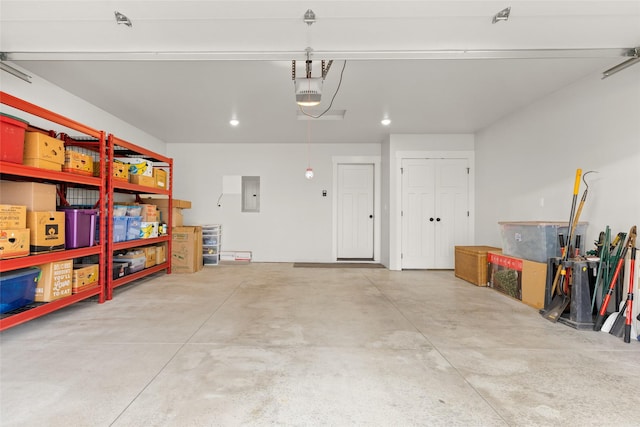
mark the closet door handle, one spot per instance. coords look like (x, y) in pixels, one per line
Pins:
(431, 219)
(438, 219)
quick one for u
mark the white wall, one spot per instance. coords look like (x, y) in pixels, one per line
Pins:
(385, 195)
(526, 162)
(413, 146)
(46, 95)
(295, 220)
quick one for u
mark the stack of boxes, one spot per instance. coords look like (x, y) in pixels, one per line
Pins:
(46, 226)
(31, 224)
(142, 172)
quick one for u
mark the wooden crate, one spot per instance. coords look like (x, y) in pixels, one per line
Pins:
(471, 263)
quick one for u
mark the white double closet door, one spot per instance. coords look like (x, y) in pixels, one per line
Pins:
(435, 211)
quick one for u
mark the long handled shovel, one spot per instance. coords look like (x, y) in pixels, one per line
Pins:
(603, 309)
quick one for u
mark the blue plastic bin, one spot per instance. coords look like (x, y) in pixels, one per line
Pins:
(133, 227)
(18, 288)
(119, 229)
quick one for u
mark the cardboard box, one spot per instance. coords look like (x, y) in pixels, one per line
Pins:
(46, 231)
(138, 166)
(176, 213)
(471, 263)
(85, 276)
(161, 253)
(149, 213)
(33, 195)
(42, 164)
(13, 216)
(144, 180)
(120, 170)
(43, 147)
(521, 279)
(186, 251)
(160, 175)
(150, 256)
(55, 281)
(75, 162)
(148, 230)
(14, 243)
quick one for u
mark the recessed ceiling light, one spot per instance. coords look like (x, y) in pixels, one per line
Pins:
(385, 122)
(234, 122)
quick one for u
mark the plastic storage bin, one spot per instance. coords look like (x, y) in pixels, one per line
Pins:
(537, 241)
(119, 210)
(133, 227)
(119, 269)
(12, 130)
(119, 229)
(80, 227)
(134, 210)
(18, 288)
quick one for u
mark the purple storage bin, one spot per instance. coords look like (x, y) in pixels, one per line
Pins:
(80, 227)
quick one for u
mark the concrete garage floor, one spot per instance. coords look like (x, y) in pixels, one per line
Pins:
(269, 344)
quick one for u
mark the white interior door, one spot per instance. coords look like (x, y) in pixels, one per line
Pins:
(418, 199)
(355, 211)
(452, 210)
(434, 211)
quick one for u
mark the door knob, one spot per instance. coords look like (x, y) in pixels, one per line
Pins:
(438, 219)
(431, 219)
(370, 216)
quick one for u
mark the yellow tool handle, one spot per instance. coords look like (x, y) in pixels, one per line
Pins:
(576, 185)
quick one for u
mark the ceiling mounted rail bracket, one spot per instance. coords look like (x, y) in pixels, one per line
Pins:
(634, 57)
(122, 19)
(503, 15)
(13, 71)
(309, 17)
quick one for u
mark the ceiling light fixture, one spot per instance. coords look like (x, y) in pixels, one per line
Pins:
(385, 122)
(9, 69)
(234, 122)
(634, 55)
(309, 89)
(122, 19)
(503, 15)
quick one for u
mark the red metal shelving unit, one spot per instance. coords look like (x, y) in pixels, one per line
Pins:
(17, 172)
(118, 148)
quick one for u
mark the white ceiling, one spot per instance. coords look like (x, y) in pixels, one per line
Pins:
(186, 67)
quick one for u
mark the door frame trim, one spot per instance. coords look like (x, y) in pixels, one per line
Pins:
(395, 221)
(355, 160)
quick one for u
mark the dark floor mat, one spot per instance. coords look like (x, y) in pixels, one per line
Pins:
(336, 265)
